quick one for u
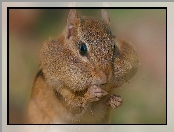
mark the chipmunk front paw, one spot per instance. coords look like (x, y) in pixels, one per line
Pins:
(94, 93)
(114, 101)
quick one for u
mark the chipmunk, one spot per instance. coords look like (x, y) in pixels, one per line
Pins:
(79, 72)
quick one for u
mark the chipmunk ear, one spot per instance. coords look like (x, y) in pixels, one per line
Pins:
(105, 16)
(70, 22)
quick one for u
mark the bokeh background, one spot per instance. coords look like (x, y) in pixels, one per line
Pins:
(144, 97)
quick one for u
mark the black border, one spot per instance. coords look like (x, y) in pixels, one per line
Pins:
(8, 8)
(8, 66)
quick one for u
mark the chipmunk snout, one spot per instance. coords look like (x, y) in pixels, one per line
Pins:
(101, 78)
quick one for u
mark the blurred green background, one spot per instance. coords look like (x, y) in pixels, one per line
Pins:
(144, 97)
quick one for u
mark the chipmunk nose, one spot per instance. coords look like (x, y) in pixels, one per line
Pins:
(102, 78)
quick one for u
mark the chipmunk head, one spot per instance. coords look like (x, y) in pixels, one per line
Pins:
(83, 55)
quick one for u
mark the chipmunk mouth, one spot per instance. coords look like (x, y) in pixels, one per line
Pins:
(94, 90)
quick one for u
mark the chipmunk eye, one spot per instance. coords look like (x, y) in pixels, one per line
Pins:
(83, 49)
